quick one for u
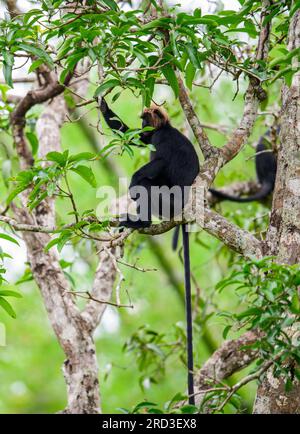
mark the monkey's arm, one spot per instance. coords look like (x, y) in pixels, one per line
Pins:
(115, 123)
(149, 171)
(112, 120)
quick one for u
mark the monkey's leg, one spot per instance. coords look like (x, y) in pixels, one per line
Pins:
(141, 193)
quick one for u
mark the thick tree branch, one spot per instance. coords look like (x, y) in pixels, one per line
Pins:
(206, 147)
(231, 235)
(237, 239)
(12, 8)
(227, 360)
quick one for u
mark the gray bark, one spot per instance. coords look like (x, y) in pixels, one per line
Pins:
(74, 329)
(283, 238)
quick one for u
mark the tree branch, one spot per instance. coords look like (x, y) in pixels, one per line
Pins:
(12, 8)
(237, 239)
(206, 147)
(231, 235)
(227, 360)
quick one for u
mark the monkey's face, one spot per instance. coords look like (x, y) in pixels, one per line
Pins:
(154, 117)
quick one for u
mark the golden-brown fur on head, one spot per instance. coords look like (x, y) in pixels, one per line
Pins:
(156, 116)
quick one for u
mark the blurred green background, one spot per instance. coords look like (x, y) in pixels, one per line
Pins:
(31, 380)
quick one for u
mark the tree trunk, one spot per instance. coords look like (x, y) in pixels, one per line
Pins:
(283, 238)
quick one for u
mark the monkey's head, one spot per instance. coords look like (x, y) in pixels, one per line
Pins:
(155, 117)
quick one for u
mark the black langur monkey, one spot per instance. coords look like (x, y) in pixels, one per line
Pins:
(174, 163)
(266, 166)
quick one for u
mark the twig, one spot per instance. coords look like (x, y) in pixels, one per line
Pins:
(135, 267)
(248, 379)
(87, 296)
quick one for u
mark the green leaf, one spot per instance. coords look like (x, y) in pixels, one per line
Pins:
(63, 240)
(3, 89)
(9, 293)
(193, 55)
(33, 140)
(226, 331)
(109, 84)
(189, 409)
(36, 51)
(111, 4)
(81, 157)
(149, 87)
(160, 22)
(15, 193)
(249, 312)
(177, 398)
(8, 62)
(174, 44)
(142, 405)
(156, 349)
(40, 199)
(297, 279)
(7, 307)
(9, 238)
(170, 75)
(58, 157)
(86, 173)
(284, 59)
(188, 19)
(190, 75)
(52, 243)
(295, 303)
(121, 61)
(283, 73)
(35, 14)
(288, 385)
(35, 64)
(294, 8)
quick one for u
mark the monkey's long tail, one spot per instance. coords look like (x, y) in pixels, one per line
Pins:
(189, 320)
(175, 238)
(265, 190)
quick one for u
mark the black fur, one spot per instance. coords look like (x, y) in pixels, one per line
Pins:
(175, 238)
(266, 166)
(173, 163)
(189, 319)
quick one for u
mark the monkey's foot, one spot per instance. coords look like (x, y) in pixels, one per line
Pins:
(132, 222)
